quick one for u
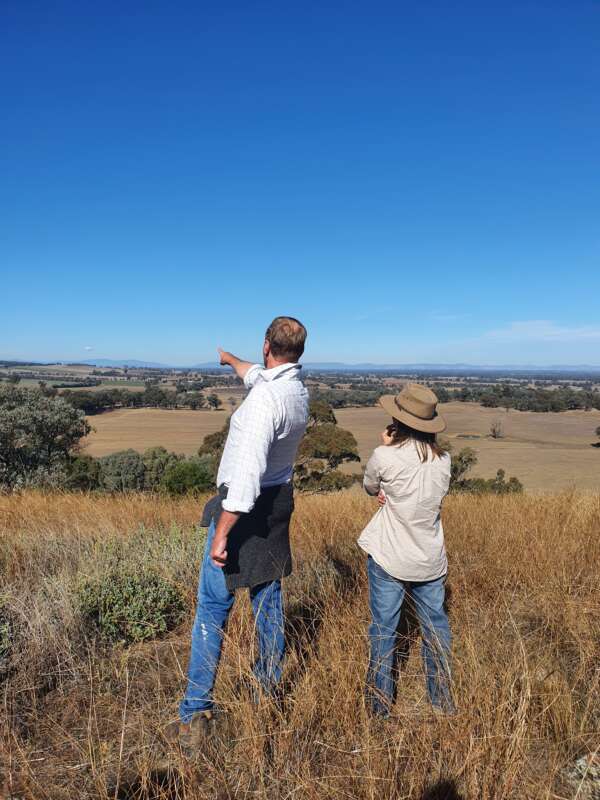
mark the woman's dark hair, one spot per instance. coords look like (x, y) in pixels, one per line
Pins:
(424, 442)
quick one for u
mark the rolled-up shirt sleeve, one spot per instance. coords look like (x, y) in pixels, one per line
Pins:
(257, 430)
(251, 376)
(372, 477)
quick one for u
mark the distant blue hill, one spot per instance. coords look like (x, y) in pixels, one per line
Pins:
(341, 366)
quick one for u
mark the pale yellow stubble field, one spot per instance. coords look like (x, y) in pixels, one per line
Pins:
(545, 451)
(180, 430)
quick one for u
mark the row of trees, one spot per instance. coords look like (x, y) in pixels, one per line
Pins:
(506, 395)
(526, 398)
(345, 398)
(153, 396)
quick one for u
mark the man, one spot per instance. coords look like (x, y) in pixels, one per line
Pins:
(248, 537)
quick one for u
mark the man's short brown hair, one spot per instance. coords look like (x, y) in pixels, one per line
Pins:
(286, 335)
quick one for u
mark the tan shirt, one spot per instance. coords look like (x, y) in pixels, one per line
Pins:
(406, 536)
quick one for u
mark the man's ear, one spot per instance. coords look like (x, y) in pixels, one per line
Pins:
(266, 348)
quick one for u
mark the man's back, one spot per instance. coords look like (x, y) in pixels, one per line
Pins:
(264, 435)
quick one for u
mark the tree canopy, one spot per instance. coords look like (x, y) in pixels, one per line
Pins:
(37, 435)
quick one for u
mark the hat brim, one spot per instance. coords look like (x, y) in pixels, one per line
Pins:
(435, 425)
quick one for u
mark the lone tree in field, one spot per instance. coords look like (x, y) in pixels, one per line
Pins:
(461, 464)
(214, 401)
(320, 412)
(323, 449)
(497, 429)
(37, 436)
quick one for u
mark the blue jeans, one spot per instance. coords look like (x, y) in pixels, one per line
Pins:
(386, 595)
(213, 607)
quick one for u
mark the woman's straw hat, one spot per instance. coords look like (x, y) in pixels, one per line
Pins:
(415, 406)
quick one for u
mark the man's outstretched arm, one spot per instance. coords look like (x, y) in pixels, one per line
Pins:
(229, 360)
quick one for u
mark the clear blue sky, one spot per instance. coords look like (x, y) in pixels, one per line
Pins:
(415, 181)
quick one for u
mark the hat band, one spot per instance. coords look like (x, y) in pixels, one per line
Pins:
(417, 410)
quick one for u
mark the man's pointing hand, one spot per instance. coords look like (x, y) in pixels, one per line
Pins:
(229, 360)
(225, 359)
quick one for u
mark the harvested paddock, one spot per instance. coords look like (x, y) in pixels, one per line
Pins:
(181, 430)
(549, 451)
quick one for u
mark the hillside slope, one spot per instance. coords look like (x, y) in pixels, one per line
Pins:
(83, 719)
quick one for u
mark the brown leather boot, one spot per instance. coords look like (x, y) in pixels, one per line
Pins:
(191, 736)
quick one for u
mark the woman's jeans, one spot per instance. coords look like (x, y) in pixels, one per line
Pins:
(214, 604)
(386, 595)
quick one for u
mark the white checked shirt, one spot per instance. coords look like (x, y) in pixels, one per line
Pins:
(264, 435)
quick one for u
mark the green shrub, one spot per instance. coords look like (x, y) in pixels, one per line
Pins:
(195, 475)
(497, 485)
(83, 474)
(157, 460)
(127, 606)
(123, 471)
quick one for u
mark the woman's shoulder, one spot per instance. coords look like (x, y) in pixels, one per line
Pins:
(390, 453)
(385, 450)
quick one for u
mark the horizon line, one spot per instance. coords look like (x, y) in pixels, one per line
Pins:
(325, 364)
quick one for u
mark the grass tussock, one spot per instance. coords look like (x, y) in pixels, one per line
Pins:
(83, 717)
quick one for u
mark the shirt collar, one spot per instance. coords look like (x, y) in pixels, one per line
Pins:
(284, 371)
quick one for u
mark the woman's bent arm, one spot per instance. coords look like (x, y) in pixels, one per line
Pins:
(372, 478)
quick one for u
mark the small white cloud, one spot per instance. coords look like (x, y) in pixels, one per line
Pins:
(88, 347)
(543, 330)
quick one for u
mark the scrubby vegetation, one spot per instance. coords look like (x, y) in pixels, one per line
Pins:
(126, 605)
(40, 435)
(463, 462)
(82, 715)
(39, 448)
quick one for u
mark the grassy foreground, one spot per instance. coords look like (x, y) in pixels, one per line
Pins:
(80, 719)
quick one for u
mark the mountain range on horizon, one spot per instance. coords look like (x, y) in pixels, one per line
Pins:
(330, 365)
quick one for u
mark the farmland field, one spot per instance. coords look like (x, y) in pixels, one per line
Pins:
(545, 451)
(180, 430)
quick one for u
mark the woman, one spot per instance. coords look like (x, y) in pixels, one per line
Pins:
(410, 474)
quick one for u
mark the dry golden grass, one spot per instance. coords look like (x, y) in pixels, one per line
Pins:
(547, 452)
(80, 721)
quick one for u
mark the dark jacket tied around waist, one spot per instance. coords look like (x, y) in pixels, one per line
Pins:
(258, 546)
